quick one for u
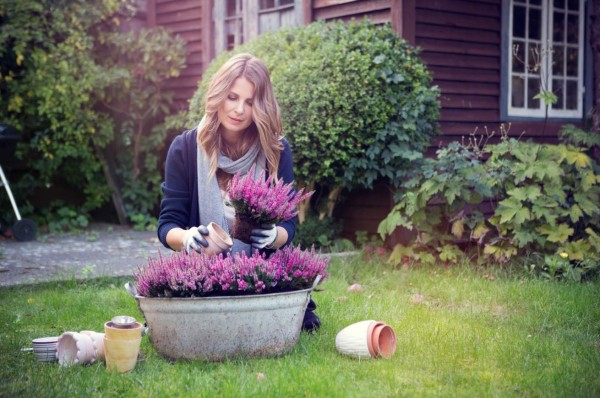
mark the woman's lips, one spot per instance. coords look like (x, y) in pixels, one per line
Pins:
(234, 120)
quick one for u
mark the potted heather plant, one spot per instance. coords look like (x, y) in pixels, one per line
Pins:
(217, 307)
(261, 201)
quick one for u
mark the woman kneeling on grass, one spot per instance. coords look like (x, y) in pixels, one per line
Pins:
(241, 127)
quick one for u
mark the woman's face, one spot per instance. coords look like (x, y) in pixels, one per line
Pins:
(235, 113)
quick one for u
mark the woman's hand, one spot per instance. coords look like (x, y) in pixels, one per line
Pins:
(193, 239)
(264, 237)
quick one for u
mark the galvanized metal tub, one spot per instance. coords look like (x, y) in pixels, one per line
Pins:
(217, 328)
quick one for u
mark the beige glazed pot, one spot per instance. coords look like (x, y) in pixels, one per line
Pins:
(218, 240)
(122, 346)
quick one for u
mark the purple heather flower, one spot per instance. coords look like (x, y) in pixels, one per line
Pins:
(263, 200)
(189, 275)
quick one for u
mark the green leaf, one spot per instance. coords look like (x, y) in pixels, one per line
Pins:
(558, 234)
(458, 228)
(588, 202)
(529, 192)
(450, 253)
(480, 231)
(575, 213)
(523, 238)
(512, 209)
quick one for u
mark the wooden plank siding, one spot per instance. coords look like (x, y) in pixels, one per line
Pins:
(377, 11)
(190, 19)
(460, 42)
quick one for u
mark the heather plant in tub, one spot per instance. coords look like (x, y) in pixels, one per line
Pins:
(189, 275)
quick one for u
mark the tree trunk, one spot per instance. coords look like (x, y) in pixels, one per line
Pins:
(116, 193)
(332, 198)
(304, 206)
(595, 44)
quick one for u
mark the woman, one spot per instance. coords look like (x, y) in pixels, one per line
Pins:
(241, 127)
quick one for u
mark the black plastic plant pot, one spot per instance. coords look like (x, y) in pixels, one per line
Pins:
(8, 140)
(24, 230)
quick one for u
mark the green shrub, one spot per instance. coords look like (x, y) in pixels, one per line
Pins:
(542, 198)
(317, 232)
(357, 102)
(85, 98)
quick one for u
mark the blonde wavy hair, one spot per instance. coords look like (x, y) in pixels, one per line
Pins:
(266, 122)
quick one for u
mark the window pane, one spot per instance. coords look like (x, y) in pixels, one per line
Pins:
(285, 2)
(533, 58)
(572, 61)
(265, 4)
(573, 29)
(558, 90)
(558, 61)
(535, 24)
(573, 5)
(230, 9)
(536, 2)
(571, 94)
(533, 89)
(519, 22)
(518, 92)
(518, 57)
(559, 4)
(558, 34)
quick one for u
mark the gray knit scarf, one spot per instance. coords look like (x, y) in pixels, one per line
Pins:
(210, 202)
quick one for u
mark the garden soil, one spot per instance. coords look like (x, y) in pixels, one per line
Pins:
(100, 250)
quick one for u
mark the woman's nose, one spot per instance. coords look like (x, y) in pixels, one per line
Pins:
(239, 107)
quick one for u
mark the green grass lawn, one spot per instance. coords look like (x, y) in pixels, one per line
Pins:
(461, 332)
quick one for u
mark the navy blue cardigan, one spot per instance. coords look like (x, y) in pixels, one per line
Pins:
(179, 206)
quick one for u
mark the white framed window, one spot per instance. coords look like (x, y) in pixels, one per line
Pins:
(237, 21)
(546, 51)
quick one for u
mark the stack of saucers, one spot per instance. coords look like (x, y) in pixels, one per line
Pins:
(44, 348)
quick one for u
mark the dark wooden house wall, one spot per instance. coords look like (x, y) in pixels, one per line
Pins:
(377, 11)
(192, 20)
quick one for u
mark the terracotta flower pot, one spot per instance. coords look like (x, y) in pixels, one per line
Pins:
(121, 354)
(218, 240)
(366, 339)
(75, 349)
(242, 227)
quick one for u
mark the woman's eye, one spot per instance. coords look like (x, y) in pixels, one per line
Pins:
(249, 103)
(231, 98)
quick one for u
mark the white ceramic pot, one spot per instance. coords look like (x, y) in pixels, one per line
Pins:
(366, 340)
(218, 240)
(217, 328)
(75, 349)
(354, 340)
(97, 341)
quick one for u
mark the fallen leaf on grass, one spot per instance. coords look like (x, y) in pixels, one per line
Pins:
(416, 299)
(260, 376)
(354, 288)
(489, 277)
(341, 298)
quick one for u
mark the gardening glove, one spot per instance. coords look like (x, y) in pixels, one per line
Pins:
(264, 236)
(194, 239)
